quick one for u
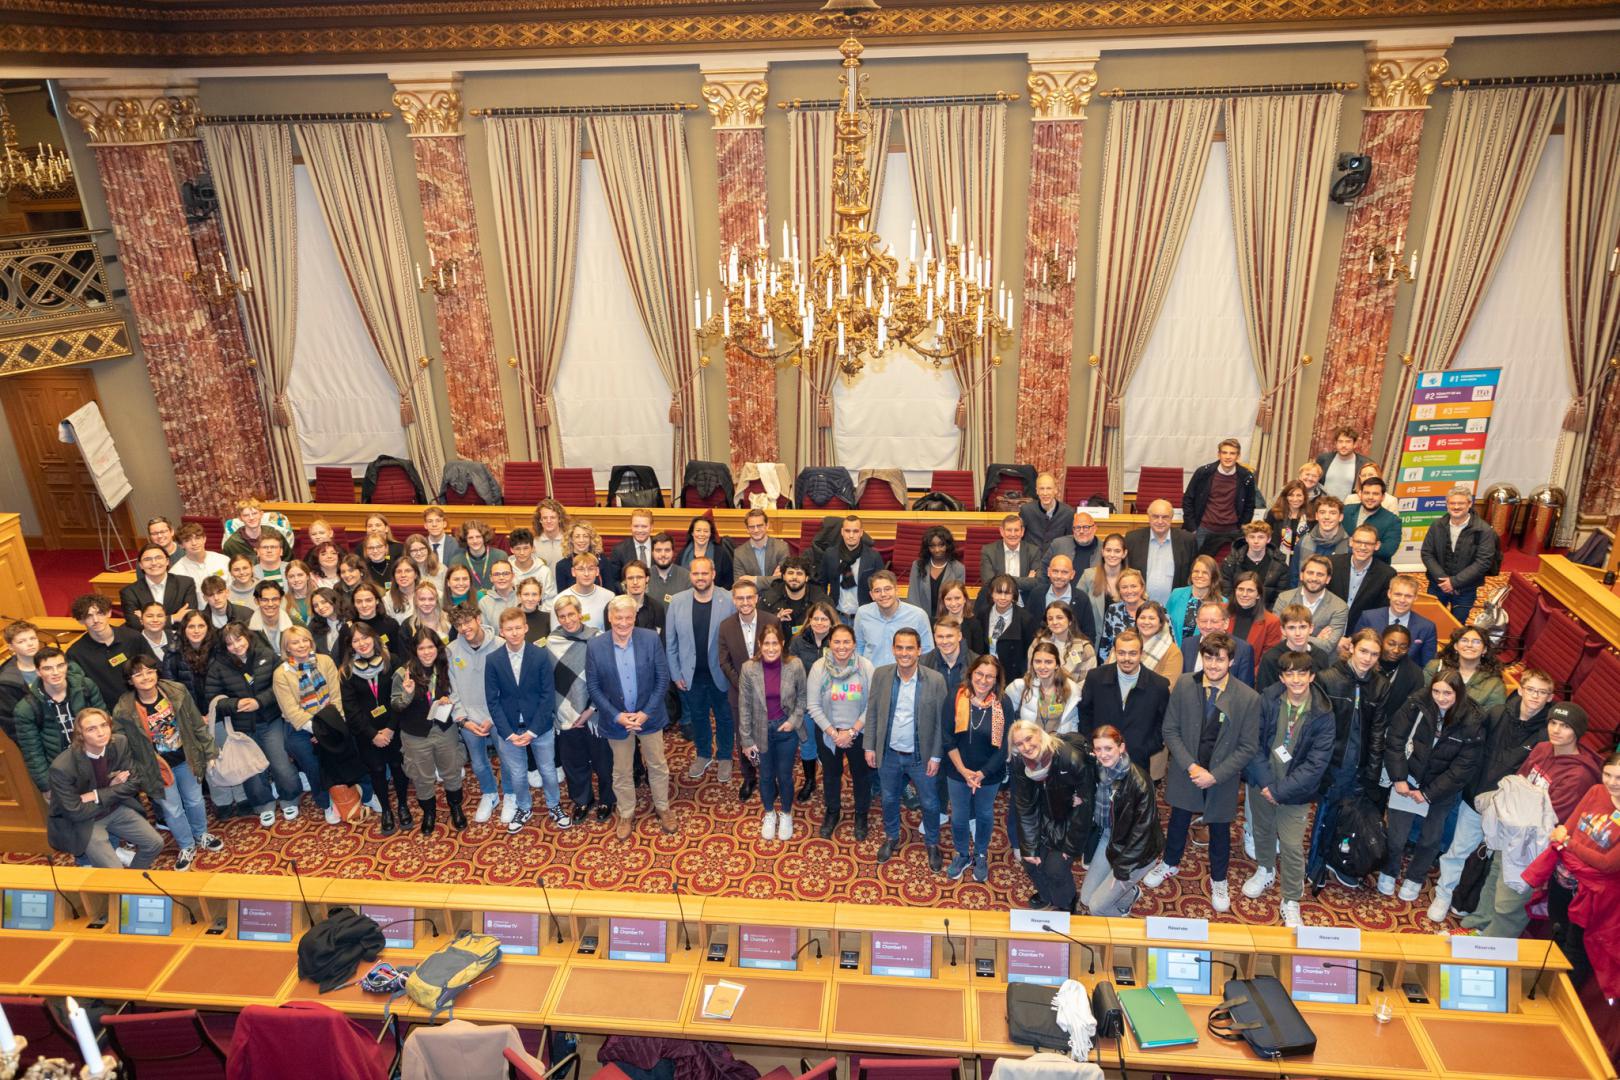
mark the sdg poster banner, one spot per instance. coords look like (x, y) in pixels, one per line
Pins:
(1444, 445)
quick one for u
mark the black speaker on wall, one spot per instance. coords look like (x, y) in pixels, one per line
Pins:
(1357, 169)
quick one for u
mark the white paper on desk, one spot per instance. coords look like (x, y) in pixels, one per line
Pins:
(730, 995)
(1397, 801)
(440, 713)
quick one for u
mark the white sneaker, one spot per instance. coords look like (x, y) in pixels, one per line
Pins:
(1290, 914)
(304, 781)
(508, 808)
(767, 826)
(1386, 885)
(290, 813)
(1409, 891)
(1155, 877)
(534, 778)
(332, 815)
(1248, 844)
(1256, 886)
(1220, 897)
(1439, 908)
(373, 805)
(126, 855)
(268, 818)
(486, 807)
(784, 826)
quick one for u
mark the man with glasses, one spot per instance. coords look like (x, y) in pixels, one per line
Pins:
(1403, 590)
(1459, 551)
(1358, 578)
(1080, 546)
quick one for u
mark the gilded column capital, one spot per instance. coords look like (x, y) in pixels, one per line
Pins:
(1061, 88)
(1403, 77)
(431, 107)
(131, 115)
(736, 97)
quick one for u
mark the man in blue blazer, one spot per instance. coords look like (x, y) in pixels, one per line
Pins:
(1403, 590)
(627, 677)
(520, 690)
(1212, 616)
(692, 641)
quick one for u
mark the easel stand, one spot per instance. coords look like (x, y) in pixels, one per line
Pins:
(108, 534)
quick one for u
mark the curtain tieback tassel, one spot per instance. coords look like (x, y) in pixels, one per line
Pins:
(407, 413)
(1111, 412)
(281, 411)
(1575, 415)
(962, 413)
(676, 413)
(823, 411)
(1267, 412)
(542, 412)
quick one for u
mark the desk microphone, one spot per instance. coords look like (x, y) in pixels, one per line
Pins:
(949, 942)
(190, 911)
(309, 912)
(1379, 975)
(1236, 974)
(1542, 970)
(1050, 929)
(546, 895)
(686, 935)
(77, 915)
(809, 941)
(433, 927)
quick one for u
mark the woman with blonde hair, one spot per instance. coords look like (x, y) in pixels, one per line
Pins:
(551, 525)
(1054, 793)
(1099, 582)
(310, 693)
(427, 614)
(583, 539)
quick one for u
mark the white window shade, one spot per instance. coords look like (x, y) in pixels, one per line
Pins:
(343, 402)
(1519, 328)
(612, 401)
(900, 411)
(1196, 384)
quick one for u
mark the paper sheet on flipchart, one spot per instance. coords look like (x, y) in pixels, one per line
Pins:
(86, 428)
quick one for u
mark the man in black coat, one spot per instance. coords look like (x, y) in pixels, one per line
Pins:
(1219, 500)
(847, 567)
(1138, 713)
(1459, 551)
(1358, 578)
(1356, 689)
(1160, 535)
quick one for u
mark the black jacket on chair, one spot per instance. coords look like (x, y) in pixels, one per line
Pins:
(1140, 719)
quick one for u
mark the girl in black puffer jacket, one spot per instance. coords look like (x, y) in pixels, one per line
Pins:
(1433, 749)
(1054, 794)
(1127, 839)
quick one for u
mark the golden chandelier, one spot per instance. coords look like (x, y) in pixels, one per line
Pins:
(850, 301)
(48, 172)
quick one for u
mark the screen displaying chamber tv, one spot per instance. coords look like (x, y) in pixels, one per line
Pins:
(1042, 962)
(1473, 988)
(905, 955)
(397, 924)
(149, 915)
(1325, 980)
(1186, 971)
(772, 947)
(28, 909)
(517, 931)
(264, 920)
(638, 939)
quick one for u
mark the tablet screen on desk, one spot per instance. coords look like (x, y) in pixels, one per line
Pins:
(1330, 981)
(28, 909)
(517, 931)
(399, 932)
(264, 920)
(1473, 988)
(1043, 962)
(768, 947)
(909, 956)
(1184, 970)
(638, 939)
(151, 915)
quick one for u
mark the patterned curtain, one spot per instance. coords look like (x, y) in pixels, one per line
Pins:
(253, 173)
(1492, 142)
(1591, 293)
(1152, 172)
(535, 163)
(958, 157)
(1280, 153)
(353, 176)
(810, 207)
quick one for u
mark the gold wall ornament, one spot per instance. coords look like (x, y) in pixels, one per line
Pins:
(1061, 89)
(43, 349)
(1404, 77)
(430, 110)
(158, 116)
(736, 97)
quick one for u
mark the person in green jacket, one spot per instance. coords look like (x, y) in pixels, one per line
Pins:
(44, 716)
(170, 748)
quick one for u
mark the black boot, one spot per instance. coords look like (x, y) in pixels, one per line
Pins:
(405, 821)
(389, 825)
(808, 788)
(458, 820)
(430, 815)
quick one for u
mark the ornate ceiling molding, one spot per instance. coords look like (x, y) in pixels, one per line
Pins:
(736, 97)
(1403, 77)
(1060, 89)
(164, 33)
(431, 107)
(134, 115)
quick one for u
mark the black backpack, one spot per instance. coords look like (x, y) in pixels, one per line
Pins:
(1357, 843)
(331, 949)
(936, 501)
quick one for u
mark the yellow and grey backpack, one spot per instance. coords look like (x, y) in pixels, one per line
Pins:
(437, 981)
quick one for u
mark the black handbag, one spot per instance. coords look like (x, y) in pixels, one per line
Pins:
(1031, 1020)
(1467, 897)
(1260, 1012)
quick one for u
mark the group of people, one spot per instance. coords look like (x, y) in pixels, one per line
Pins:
(1292, 674)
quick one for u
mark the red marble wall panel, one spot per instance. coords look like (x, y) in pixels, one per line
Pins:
(1046, 346)
(466, 336)
(750, 384)
(1600, 494)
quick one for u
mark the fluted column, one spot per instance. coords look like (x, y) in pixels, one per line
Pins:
(1399, 82)
(146, 150)
(432, 110)
(1059, 90)
(736, 100)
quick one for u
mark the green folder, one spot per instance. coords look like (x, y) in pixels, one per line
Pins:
(1157, 1017)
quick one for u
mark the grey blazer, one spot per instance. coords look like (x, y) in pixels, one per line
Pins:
(1332, 613)
(753, 726)
(930, 712)
(1234, 746)
(745, 564)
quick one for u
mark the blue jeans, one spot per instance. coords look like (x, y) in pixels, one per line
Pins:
(705, 710)
(1460, 602)
(478, 752)
(272, 739)
(776, 769)
(183, 809)
(301, 745)
(893, 772)
(515, 764)
(979, 807)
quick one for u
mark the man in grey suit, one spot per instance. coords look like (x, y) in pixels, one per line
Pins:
(692, 639)
(1014, 556)
(760, 556)
(905, 740)
(1330, 616)
(1211, 729)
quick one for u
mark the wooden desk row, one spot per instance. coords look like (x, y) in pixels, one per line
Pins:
(829, 998)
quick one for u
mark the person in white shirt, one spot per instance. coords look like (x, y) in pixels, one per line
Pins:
(526, 564)
(593, 599)
(469, 650)
(550, 531)
(502, 592)
(195, 561)
(154, 624)
(1341, 465)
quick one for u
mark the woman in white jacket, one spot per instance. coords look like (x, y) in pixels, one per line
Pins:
(1046, 696)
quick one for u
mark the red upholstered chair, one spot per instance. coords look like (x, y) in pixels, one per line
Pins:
(832, 505)
(908, 546)
(878, 495)
(333, 485)
(827, 1070)
(172, 1045)
(573, 487)
(35, 1020)
(715, 498)
(1157, 482)
(523, 483)
(310, 1039)
(213, 528)
(977, 537)
(1012, 484)
(754, 487)
(470, 497)
(807, 533)
(1081, 482)
(393, 486)
(1599, 695)
(1523, 609)
(1561, 649)
(907, 1069)
(957, 483)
